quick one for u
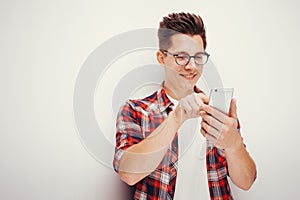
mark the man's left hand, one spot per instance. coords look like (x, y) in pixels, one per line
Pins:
(219, 128)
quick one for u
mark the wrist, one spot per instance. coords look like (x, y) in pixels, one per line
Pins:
(176, 119)
(236, 148)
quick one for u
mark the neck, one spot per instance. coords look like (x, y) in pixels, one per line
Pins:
(176, 93)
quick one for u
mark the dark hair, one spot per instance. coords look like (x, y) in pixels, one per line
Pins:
(176, 23)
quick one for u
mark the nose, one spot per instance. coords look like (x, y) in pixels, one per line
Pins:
(191, 65)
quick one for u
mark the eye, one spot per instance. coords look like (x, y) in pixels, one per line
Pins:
(182, 57)
(199, 56)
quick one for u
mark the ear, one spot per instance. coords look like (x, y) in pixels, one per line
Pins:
(160, 56)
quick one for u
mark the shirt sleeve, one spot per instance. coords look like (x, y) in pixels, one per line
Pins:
(128, 131)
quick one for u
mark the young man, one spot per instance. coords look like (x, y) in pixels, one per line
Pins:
(147, 135)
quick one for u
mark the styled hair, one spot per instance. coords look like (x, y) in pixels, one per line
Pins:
(176, 23)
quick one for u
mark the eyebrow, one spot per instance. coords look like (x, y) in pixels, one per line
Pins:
(184, 52)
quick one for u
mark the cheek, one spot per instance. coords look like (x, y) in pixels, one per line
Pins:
(175, 70)
(200, 70)
(170, 62)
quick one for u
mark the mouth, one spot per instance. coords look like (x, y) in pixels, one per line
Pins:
(188, 76)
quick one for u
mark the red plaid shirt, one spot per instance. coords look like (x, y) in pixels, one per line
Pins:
(135, 121)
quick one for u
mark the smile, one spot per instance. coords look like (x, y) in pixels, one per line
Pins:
(189, 76)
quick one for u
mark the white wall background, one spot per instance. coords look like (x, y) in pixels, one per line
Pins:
(254, 44)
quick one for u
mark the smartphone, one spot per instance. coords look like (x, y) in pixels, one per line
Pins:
(220, 99)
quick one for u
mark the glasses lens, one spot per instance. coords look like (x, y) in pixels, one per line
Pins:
(201, 59)
(182, 59)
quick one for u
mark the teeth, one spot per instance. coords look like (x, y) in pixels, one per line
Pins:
(191, 76)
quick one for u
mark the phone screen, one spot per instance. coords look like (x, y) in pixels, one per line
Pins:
(220, 98)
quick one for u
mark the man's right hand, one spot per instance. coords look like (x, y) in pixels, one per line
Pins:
(190, 106)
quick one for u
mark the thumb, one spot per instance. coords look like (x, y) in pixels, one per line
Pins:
(232, 110)
(197, 90)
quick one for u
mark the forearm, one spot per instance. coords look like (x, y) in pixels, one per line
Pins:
(141, 159)
(241, 167)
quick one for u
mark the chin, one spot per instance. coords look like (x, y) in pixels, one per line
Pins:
(190, 84)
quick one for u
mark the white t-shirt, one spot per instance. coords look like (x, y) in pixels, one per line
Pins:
(191, 181)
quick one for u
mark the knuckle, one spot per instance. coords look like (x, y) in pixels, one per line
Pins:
(224, 130)
(202, 131)
(190, 96)
(230, 122)
(183, 101)
(220, 137)
(213, 131)
(235, 122)
(203, 96)
(189, 109)
(204, 126)
(199, 96)
(201, 107)
(183, 105)
(209, 119)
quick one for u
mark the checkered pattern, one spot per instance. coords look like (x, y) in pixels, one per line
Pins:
(139, 118)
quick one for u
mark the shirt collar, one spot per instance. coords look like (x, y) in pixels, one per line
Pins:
(163, 101)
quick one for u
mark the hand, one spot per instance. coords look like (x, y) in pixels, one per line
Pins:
(219, 128)
(190, 106)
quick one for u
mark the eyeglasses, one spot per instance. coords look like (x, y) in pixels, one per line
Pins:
(183, 58)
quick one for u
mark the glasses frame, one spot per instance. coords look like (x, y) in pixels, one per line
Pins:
(175, 55)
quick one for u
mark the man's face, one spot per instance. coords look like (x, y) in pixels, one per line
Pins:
(183, 77)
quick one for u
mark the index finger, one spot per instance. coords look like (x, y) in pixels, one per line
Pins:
(203, 98)
(215, 113)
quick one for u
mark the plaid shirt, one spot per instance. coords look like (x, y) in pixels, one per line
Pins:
(135, 121)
